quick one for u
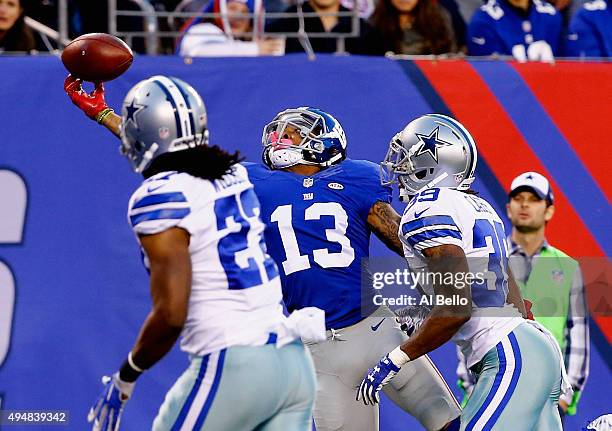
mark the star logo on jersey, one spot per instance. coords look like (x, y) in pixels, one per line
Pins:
(132, 109)
(308, 182)
(431, 143)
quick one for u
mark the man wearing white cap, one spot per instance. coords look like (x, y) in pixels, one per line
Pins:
(548, 278)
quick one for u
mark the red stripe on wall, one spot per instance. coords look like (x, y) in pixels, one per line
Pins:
(577, 97)
(508, 153)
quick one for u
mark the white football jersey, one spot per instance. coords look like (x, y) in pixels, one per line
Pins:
(235, 292)
(445, 216)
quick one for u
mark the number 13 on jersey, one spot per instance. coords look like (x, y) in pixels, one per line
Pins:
(294, 262)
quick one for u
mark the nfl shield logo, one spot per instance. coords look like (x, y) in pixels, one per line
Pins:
(164, 133)
(308, 182)
(557, 276)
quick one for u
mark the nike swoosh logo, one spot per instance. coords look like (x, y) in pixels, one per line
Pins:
(417, 215)
(375, 327)
(153, 188)
(479, 40)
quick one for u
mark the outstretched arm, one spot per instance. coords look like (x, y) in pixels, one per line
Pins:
(440, 325)
(93, 104)
(384, 222)
(113, 123)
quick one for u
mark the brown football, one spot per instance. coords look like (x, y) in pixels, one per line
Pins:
(97, 57)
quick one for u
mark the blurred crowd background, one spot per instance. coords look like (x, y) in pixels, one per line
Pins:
(523, 29)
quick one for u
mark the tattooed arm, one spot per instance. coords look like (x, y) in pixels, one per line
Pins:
(445, 319)
(384, 222)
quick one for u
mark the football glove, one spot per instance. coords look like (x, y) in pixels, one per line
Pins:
(376, 378)
(92, 104)
(106, 412)
(411, 318)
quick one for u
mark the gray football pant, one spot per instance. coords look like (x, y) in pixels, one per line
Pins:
(243, 388)
(342, 361)
(517, 385)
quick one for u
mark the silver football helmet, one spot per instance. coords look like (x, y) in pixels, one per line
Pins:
(432, 151)
(161, 115)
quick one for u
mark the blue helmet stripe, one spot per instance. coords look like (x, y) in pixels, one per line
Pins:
(177, 119)
(187, 104)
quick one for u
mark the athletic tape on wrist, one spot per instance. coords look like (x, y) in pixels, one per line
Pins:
(398, 357)
(102, 115)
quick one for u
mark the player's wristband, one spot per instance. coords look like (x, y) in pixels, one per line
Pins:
(129, 371)
(398, 357)
(103, 114)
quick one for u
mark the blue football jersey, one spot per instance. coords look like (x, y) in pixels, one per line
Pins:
(590, 32)
(499, 28)
(317, 232)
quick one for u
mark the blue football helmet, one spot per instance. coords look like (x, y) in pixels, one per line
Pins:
(323, 141)
(431, 151)
(161, 115)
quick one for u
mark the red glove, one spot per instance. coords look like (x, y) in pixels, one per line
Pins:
(528, 305)
(92, 104)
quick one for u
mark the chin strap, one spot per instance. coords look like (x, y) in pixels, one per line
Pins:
(285, 158)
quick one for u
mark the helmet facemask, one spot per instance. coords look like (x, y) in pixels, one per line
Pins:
(316, 147)
(431, 151)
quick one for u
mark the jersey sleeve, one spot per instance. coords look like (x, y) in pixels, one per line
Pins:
(157, 206)
(581, 39)
(429, 221)
(482, 37)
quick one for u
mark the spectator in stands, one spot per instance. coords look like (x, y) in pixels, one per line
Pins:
(226, 34)
(590, 32)
(92, 17)
(549, 280)
(369, 41)
(416, 27)
(524, 29)
(459, 24)
(15, 35)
